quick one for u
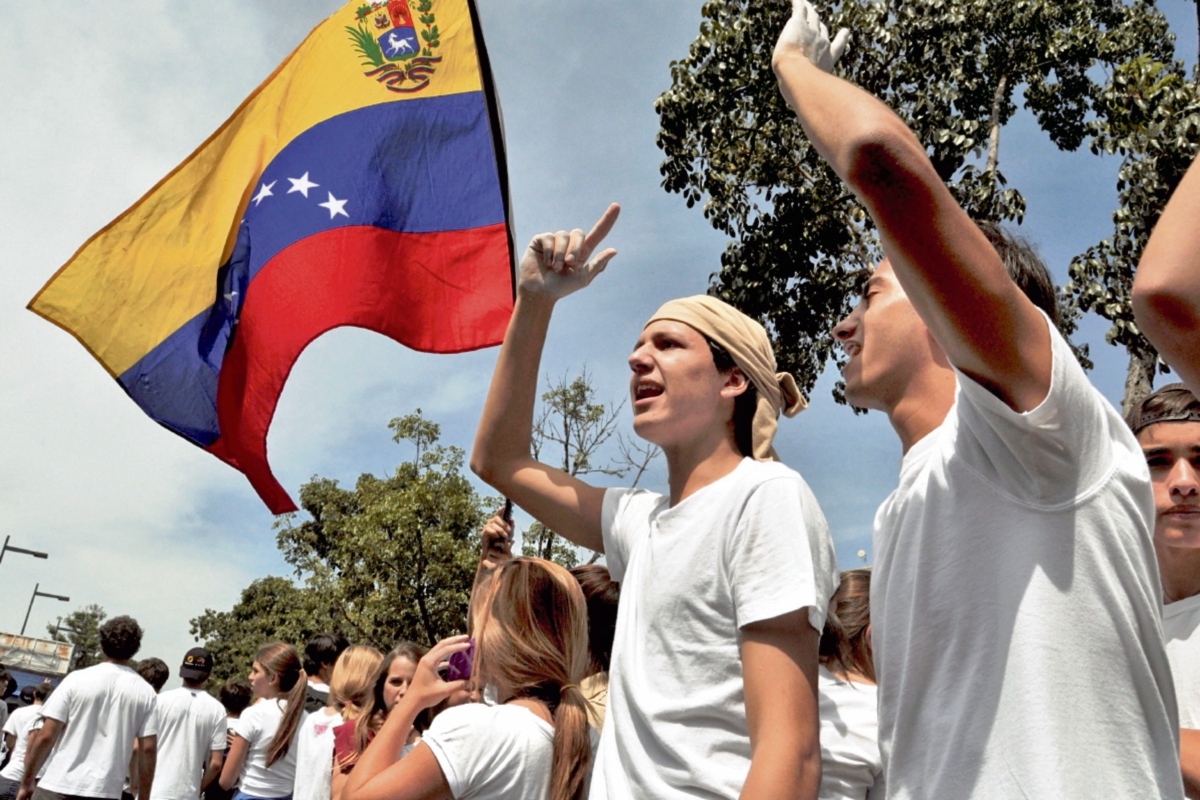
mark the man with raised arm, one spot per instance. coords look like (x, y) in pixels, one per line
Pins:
(725, 581)
(1166, 288)
(1015, 600)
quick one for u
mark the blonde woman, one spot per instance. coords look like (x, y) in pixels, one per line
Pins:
(534, 743)
(351, 678)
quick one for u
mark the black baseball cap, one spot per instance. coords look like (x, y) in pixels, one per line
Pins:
(197, 665)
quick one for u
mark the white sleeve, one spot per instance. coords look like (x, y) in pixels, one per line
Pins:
(466, 743)
(781, 557)
(1050, 456)
(620, 525)
(219, 731)
(246, 726)
(58, 704)
(9, 727)
(149, 726)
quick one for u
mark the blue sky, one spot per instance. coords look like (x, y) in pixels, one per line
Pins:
(143, 523)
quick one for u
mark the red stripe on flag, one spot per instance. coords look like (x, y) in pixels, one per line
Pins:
(435, 292)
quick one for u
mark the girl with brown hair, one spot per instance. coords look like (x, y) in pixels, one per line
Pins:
(262, 760)
(351, 681)
(535, 743)
(850, 760)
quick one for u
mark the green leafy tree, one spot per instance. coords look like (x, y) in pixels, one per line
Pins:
(954, 70)
(81, 628)
(271, 609)
(1149, 114)
(575, 432)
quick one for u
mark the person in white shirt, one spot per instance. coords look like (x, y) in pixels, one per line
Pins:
(91, 723)
(351, 681)
(262, 753)
(534, 743)
(850, 763)
(725, 580)
(17, 729)
(1167, 426)
(191, 733)
(1015, 602)
(321, 652)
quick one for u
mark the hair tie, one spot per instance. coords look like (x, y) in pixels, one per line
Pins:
(564, 688)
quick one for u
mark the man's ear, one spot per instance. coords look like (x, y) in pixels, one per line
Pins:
(736, 383)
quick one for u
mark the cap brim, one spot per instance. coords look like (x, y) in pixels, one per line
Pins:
(191, 674)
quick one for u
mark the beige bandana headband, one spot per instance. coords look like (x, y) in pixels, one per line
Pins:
(746, 342)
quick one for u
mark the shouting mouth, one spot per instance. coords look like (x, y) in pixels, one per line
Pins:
(646, 391)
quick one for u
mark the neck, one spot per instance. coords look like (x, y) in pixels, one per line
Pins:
(1180, 570)
(698, 463)
(123, 662)
(197, 685)
(926, 401)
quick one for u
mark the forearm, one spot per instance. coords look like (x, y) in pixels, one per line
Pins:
(1189, 760)
(506, 427)
(383, 752)
(36, 751)
(212, 770)
(783, 772)
(147, 760)
(1166, 287)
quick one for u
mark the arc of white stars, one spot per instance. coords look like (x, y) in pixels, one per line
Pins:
(335, 206)
(302, 185)
(264, 192)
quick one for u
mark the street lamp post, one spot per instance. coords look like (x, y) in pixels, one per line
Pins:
(9, 548)
(36, 594)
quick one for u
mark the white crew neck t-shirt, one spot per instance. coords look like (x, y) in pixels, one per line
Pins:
(314, 756)
(1181, 629)
(850, 764)
(257, 726)
(191, 724)
(1015, 606)
(20, 724)
(104, 709)
(749, 547)
(501, 752)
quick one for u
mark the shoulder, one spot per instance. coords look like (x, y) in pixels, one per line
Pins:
(485, 723)
(622, 502)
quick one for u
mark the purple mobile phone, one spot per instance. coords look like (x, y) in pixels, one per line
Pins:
(459, 666)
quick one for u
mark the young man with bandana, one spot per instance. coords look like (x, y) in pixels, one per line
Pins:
(1015, 603)
(725, 581)
(1167, 426)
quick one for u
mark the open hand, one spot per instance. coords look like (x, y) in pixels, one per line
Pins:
(805, 32)
(427, 688)
(556, 264)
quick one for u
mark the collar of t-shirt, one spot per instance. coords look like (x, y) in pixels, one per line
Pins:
(317, 686)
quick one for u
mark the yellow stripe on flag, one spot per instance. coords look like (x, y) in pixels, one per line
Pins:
(154, 268)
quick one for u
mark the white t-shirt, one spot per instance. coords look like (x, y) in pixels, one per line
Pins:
(314, 756)
(850, 765)
(104, 709)
(191, 725)
(20, 723)
(1015, 606)
(257, 726)
(492, 752)
(749, 547)
(1181, 628)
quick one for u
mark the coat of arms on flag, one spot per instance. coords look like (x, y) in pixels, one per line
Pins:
(323, 201)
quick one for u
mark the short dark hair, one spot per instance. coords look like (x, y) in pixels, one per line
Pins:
(235, 696)
(746, 404)
(323, 650)
(602, 594)
(155, 672)
(1025, 268)
(120, 638)
(1172, 403)
(42, 691)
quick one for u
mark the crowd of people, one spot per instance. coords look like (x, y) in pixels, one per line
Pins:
(1030, 627)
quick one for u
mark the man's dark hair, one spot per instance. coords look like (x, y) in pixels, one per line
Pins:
(1025, 268)
(323, 650)
(154, 671)
(235, 696)
(120, 638)
(601, 593)
(42, 691)
(744, 407)
(1172, 403)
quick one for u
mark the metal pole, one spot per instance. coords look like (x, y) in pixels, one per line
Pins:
(4, 549)
(36, 586)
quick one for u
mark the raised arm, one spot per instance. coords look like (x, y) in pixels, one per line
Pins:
(949, 270)
(1166, 288)
(554, 266)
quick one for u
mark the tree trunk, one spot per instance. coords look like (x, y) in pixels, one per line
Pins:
(993, 157)
(1139, 381)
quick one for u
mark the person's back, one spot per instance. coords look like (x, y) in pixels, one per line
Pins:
(104, 708)
(463, 740)
(191, 732)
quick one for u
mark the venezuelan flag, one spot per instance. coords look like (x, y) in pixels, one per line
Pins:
(363, 183)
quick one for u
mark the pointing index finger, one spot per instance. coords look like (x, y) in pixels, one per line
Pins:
(601, 228)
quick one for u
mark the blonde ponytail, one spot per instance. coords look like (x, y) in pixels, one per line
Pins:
(572, 745)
